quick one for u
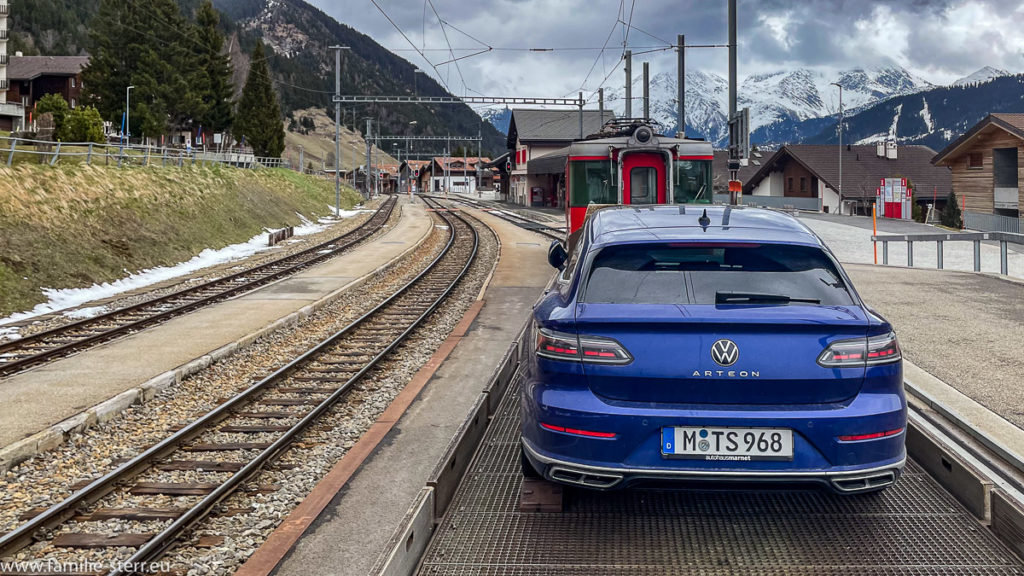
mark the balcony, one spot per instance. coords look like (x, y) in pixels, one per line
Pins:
(4, 84)
(3, 34)
(4, 9)
(12, 109)
(4, 59)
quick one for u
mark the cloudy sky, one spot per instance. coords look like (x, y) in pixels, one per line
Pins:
(937, 40)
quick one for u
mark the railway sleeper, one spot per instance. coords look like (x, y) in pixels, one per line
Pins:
(204, 465)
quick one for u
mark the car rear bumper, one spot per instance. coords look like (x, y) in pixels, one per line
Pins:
(606, 478)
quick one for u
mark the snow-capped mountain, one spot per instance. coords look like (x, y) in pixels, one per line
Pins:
(778, 101)
(984, 74)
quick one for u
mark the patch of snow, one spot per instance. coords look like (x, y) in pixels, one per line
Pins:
(895, 121)
(83, 313)
(10, 333)
(58, 300)
(926, 114)
(873, 139)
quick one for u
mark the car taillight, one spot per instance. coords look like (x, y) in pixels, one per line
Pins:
(871, 436)
(595, 349)
(862, 352)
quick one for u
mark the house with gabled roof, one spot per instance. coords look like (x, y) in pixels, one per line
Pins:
(987, 164)
(807, 176)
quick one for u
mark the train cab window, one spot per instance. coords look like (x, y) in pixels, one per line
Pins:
(592, 182)
(643, 185)
(692, 182)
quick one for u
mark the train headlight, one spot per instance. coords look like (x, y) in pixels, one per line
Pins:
(643, 135)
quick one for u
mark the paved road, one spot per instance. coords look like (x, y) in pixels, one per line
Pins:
(965, 329)
(850, 238)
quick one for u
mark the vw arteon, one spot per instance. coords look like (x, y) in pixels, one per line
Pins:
(709, 343)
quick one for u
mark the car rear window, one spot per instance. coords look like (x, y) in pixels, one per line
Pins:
(694, 274)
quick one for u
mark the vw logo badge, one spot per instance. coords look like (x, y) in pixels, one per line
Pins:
(725, 352)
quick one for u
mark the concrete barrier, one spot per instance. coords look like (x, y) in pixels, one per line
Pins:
(409, 542)
(963, 481)
(445, 478)
(397, 557)
(1008, 521)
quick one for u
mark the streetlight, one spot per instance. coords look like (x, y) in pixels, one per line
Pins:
(128, 114)
(337, 128)
(840, 86)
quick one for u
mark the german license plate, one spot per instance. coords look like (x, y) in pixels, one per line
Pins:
(727, 444)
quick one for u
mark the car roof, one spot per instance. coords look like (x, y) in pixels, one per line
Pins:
(628, 224)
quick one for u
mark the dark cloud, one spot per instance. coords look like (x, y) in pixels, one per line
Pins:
(936, 39)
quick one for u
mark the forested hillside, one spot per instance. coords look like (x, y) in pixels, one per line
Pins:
(298, 36)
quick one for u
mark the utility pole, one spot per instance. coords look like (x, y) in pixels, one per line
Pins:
(840, 86)
(681, 76)
(128, 114)
(366, 171)
(447, 165)
(581, 115)
(337, 129)
(647, 89)
(733, 134)
(629, 83)
(600, 102)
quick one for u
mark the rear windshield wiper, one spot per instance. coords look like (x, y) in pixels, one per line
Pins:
(756, 298)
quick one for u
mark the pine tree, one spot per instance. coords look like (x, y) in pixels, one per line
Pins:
(215, 89)
(951, 216)
(259, 118)
(140, 43)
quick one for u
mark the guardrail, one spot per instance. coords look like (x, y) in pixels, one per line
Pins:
(52, 152)
(1004, 238)
(991, 222)
(778, 202)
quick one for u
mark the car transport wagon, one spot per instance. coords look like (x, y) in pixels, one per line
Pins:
(709, 343)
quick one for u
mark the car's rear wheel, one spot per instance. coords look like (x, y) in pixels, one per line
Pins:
(528, 470)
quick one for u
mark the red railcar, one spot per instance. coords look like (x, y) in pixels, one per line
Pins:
(628, 162)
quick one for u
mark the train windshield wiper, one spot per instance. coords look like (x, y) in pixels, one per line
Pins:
(758, 298)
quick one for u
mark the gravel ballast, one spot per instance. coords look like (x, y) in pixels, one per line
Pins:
(247, 517)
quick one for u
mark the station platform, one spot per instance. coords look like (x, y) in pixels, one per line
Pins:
(353, 529)
(39, 406)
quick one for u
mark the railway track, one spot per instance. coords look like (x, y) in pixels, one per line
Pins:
(552, 232)
(266, 419)
(22, 354)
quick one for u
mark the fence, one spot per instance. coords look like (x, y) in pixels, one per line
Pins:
(22, 150)
(782, 202)
(991, 222)
(977, 238)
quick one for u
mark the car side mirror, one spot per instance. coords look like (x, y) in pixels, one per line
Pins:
(557, 255)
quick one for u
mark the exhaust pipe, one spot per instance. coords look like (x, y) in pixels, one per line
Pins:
(865, 483)
(582, 478)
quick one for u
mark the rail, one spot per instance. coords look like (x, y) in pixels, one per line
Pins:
(14, 149)
(1004, 238)
(374, 335)
(24, 353)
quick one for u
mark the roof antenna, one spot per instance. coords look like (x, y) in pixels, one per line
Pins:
(704, 221)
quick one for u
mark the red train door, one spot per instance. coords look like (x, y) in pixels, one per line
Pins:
(644, 178)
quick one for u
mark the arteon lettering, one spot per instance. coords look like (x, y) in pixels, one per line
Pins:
(727, 374)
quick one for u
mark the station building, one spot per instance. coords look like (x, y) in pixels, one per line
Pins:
(535, 133)
(806, 177)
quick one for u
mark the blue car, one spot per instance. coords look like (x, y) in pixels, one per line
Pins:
(709, 344)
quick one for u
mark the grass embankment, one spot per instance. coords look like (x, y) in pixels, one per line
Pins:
(71, 226)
